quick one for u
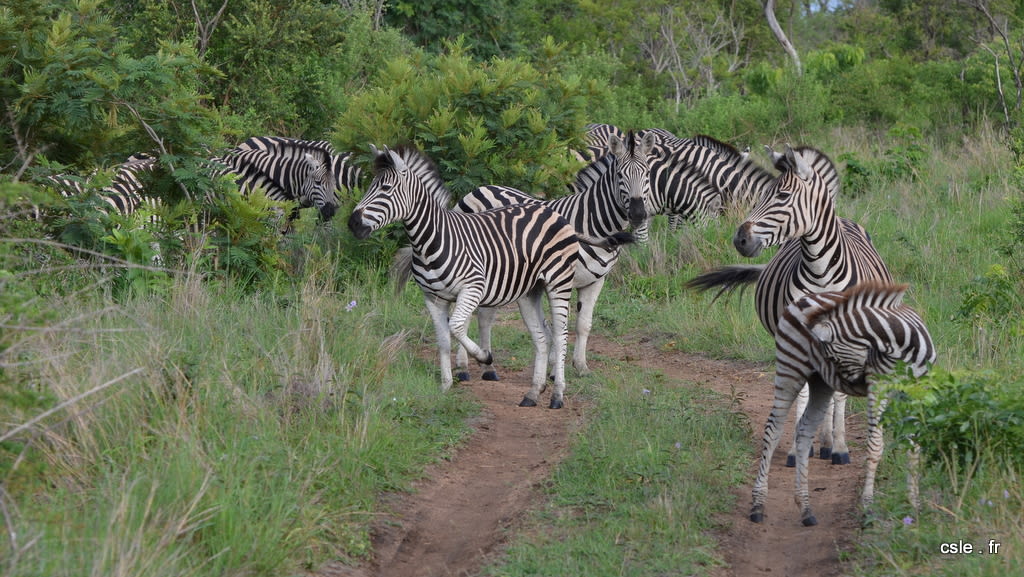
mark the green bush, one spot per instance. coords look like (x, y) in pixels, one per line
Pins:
(501, 122)
(959, 417)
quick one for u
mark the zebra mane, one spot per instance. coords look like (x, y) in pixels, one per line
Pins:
(817, 160)
(592, 173)
(720, 147)
(869, 294)
(419, 164)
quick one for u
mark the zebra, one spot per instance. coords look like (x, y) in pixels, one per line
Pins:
(692, 179)
(606, 197)
(840, 341)
(819, 252)
(124, 195)
(345, 174)
(288, 170)
(514, 253)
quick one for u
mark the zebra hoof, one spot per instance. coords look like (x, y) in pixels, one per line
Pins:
(840, 458)
(527, 402)
(825, 453)
(757, 516)
(791, 461)
(810, 521)
(556, 403)
(462, 376)
(491, 376)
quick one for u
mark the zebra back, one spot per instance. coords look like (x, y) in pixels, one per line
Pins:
(502, 252)
(125, 193)
(288, 169)
(849, 336)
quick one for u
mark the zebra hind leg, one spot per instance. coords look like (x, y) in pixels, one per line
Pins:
(840, 452)
(820, 394)
(530, 306)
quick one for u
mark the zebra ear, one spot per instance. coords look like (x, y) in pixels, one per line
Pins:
(775, 156)
(647, 144)
(823, 332)
(797, 163)
(397, 161)
(615, 145)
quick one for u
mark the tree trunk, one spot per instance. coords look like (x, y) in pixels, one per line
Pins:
(769, 14)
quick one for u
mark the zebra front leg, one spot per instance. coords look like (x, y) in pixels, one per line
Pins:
(840, 452)
(817, 405)
(458, 323)
(587, 300)
(438, 310)
(531, 307)
(876, 445)
(484, 322)
(560, 338)
(801, 406)
(826, 432)
(786, 392)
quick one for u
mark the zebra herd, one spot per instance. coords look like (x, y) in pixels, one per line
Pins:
(826, 296)
(309, 173)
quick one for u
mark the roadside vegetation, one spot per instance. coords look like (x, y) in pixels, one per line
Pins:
(230, 401)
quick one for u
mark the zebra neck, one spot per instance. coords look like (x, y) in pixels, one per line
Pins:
(595, 211)
(426, 222)
(826, 254)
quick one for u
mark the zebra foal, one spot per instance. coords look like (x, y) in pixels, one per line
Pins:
(839, 341)
(516, 253)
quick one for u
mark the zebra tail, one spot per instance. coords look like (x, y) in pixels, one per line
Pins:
(401, 268)
(616, 239)
(726, 279)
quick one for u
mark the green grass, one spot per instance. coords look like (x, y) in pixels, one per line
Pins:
(262, 426)
(636, 495)
(255, 439)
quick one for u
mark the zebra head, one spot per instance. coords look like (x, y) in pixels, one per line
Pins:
(794, 205)
(634, 173)
(405, 182)
(316, 187)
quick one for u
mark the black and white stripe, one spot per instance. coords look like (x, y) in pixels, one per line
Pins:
(839, 341)
(819, 252)
(126, 192)
(288, 170)
(608, 195)
(692, 179)
(516, 253)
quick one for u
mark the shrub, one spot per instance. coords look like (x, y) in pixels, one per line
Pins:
(959, 417)
(500, 121)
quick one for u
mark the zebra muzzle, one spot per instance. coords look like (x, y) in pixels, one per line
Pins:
(356, 225)
(637, 212)
(745, 242)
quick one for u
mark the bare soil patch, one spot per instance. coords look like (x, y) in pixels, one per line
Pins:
(467, 507)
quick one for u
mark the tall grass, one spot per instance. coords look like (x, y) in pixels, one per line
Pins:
(250, 434)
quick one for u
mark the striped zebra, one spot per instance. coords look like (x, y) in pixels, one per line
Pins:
(819, 252)
(840, 341)
(692, 179)
(344, 172)
(288, 170)
(516, 253)
(125, 193)
(606, 197)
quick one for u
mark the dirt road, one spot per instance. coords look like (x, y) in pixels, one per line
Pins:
(467, 507)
